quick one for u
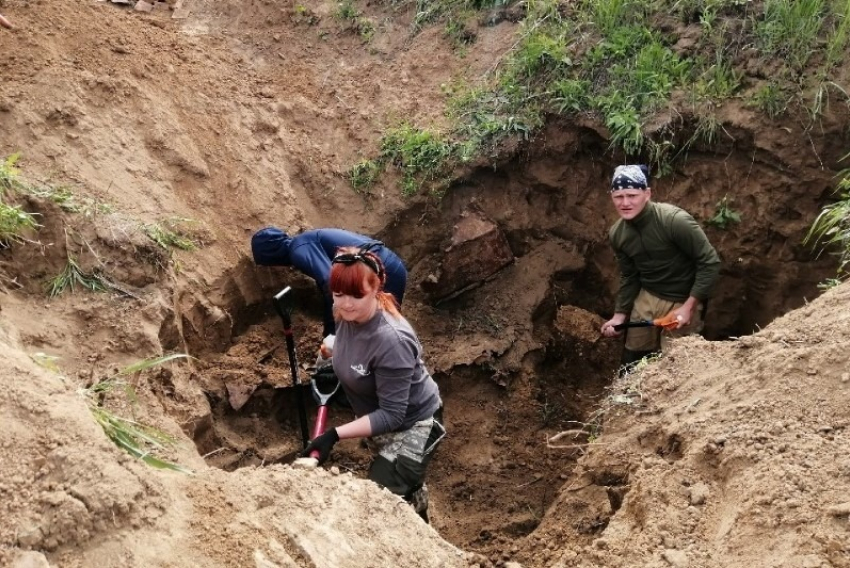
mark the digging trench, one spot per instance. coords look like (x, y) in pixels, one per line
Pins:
(517, 354)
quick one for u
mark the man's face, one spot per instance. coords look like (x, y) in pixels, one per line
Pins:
(630, 202)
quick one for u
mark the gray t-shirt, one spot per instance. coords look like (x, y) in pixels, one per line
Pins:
(379, 365)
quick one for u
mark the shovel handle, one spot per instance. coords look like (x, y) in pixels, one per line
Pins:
(283, 306)
(666, 322)
(319, 428)
(639, 323)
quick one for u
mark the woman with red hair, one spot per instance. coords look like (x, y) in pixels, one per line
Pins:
(377, 358)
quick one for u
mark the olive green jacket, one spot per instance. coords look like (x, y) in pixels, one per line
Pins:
(664, 251)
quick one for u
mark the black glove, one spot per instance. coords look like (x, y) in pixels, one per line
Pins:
(323, 444)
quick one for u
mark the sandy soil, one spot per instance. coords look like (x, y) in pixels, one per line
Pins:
(240, 114)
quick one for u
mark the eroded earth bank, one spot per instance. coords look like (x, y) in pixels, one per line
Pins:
(730, 451)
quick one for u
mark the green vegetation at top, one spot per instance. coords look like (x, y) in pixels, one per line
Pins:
(622, 62)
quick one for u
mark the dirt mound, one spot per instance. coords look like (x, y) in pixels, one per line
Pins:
(734, 454)
(70, 493)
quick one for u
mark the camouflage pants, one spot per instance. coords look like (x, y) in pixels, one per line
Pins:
(403, 459)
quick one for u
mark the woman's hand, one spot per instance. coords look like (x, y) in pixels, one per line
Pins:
(322, 444)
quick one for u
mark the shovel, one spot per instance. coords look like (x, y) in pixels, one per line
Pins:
(283, 305)
(668, 322)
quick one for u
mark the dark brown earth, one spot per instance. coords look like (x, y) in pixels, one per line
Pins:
(241, 114)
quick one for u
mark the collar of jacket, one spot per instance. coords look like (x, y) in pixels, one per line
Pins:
(644, 217)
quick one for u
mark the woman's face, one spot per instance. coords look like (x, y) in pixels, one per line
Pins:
(354, 309)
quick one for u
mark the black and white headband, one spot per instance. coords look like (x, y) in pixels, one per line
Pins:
(630, 177)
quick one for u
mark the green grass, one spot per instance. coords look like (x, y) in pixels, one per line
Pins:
(718, 81)
(14, 223)
(830, 230)
(348, 13)
(10, 175)
(707, 126)
(829, 284)
(363, 174)
(73, 277)
(770, 99)
(790, 29)
(620, 63)
(68, 200)
(346, 10)
(609, 16)
(139, 440)
(171, 234)
(420, 156)
(724, 216)
(838, 37)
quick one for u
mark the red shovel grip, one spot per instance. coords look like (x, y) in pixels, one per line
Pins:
(319, 428)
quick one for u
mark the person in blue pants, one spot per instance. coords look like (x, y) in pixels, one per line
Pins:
(311, 252)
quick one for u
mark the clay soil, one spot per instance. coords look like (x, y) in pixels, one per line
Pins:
(729, 451)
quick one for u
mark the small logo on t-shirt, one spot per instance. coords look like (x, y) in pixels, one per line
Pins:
(360, 370)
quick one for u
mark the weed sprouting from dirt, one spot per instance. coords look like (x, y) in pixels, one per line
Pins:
(139, 440)
(171, 234)
(363, 175)
(551, 411)
(142, 441)
(420, 155)
(46, 361)
(9, 174)
(62, 195)
(831, 228)
(770, 99)
(71, 277)
(14, 221)
(828, 284)
(724, 216)
(626, 391)
(69, 200)
(348, 13)
(790, 29)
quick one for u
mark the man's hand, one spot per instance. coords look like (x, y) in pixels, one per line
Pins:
(322, 444)
(684, 313)
(6, 23)
(608, 327)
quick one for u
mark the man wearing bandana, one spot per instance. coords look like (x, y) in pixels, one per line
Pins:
(667, 266)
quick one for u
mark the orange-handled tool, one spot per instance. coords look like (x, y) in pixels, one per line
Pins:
(667, 322)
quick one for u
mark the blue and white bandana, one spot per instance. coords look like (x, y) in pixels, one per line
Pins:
(630, 177)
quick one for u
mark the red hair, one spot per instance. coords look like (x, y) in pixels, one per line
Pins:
(352, 279)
